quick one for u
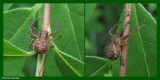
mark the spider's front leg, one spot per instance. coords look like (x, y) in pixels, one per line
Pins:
(33, 28)
(34, 32)
(32, 37)
(110, 31)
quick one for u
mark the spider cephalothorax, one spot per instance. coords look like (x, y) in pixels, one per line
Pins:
(114, 49)
(41, 39)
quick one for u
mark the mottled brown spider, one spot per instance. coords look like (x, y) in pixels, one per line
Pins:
(114, 49)
(40, 41)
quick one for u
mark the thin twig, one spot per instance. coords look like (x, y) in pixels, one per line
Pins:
(46, 27)
(123, 60)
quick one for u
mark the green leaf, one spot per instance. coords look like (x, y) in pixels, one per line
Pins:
(16, 26)
(70, 17)
(13, 56)
(50, 67)
(96, 66)
(69, 64)
(11, 50)
(142, 58)
(89, 9)
(12, 66)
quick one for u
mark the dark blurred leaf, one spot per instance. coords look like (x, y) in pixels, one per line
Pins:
(89, 8)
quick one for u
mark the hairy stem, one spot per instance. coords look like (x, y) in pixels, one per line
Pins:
(46, 27)
(123, 60)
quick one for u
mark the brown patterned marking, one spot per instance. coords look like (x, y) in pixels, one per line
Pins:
(40, 45)
(112, 52)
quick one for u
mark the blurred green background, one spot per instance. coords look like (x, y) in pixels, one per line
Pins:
(103, 17)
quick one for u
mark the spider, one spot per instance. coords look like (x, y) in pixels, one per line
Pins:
(114, 49)
(40, 41)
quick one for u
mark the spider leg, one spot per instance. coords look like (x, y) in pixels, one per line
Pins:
(32, 27)
(33, 35)
(31, 41)
(110, 31)
(125, 26)
(55, 38)
(135, 30)
(57, 29)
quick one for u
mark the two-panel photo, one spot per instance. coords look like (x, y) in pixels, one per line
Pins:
(79, 40)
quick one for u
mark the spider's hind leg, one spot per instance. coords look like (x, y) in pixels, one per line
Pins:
(110, 31)
(32, 37)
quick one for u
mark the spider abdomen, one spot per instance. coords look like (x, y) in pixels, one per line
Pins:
(112, 52)
(40, 46)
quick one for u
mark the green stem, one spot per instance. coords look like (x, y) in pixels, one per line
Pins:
(40, 63)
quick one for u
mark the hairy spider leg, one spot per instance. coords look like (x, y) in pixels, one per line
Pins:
(125, 26)
(34, 32)
(110, 31)
(33, 35)
(55, 38)
(51, 45)
(32, 27)
(57, 29)
(135, 30)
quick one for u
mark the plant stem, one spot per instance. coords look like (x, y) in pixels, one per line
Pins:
(46, 17)
(46, 27)
(40, 63)
(123, 60)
